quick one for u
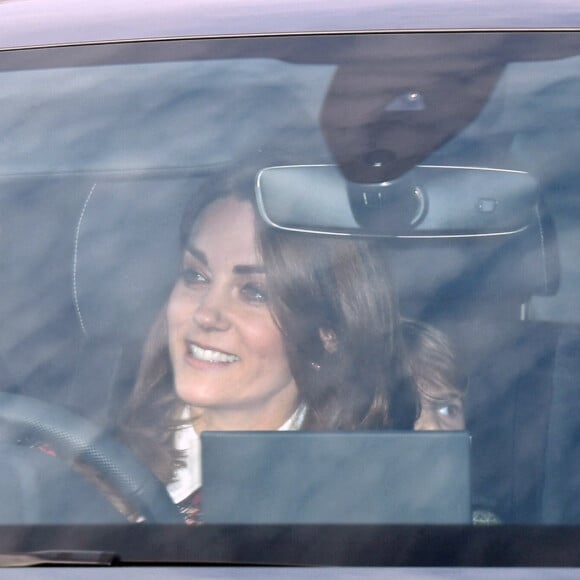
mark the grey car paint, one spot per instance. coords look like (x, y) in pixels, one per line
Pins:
(287, 573)
(46, 22)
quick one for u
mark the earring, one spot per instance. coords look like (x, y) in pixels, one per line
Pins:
(315, 366)
(329, 341)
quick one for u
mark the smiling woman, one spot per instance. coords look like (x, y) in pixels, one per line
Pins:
(264, 330)
(226, 350)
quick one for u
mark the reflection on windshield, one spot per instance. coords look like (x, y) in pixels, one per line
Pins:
(141, 288)
(96, 117)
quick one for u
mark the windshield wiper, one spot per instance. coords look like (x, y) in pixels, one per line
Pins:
(57, 557)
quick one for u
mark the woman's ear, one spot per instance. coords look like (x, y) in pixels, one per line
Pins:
(328, 338)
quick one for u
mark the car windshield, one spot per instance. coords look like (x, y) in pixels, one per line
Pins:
(325, 280)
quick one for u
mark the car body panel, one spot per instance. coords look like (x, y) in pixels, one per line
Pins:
(48, 22)
(261, 573)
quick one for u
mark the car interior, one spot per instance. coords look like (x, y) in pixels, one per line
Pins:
(101, 150)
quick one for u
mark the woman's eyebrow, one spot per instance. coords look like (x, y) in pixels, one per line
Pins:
(250, 269)
(243, 269)
(197, 254)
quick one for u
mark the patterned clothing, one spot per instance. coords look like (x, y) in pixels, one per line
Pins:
(190, 508)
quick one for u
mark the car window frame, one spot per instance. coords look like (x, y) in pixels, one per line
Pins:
(367, 545)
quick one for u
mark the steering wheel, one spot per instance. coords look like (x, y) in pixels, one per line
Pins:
(79, 442)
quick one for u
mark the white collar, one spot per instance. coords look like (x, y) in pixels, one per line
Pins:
(188, 477)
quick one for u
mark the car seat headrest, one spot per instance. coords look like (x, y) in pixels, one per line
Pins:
(126, 254)
(488, 269)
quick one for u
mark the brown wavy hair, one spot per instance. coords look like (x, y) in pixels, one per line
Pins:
(317, 284)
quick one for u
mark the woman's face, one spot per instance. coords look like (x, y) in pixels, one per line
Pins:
(226, 350)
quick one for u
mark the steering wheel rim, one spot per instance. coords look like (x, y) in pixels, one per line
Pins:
(77, 440)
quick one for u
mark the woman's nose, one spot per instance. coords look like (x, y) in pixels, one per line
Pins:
(210, 312)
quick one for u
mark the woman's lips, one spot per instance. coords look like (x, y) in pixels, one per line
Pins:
(209, 355)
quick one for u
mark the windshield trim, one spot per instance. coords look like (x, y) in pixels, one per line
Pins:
(291, 34)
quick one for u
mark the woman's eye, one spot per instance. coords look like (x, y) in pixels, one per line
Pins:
(191, 277)
(253, 293)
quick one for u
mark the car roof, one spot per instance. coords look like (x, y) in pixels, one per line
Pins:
(25, 23)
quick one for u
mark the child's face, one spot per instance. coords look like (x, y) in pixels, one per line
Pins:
(441, 409)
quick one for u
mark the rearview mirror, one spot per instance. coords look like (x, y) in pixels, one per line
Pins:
(428, 201)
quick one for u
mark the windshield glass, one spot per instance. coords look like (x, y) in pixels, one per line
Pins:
(305, 280)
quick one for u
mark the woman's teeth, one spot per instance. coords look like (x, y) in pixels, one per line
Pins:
(212, 355)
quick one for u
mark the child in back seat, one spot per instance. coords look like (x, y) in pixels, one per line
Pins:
(440, 384)
(441, 387)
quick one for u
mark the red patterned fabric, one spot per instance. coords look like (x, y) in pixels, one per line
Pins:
(190, 508)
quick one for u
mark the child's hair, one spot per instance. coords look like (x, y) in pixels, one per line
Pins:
(431, 359)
